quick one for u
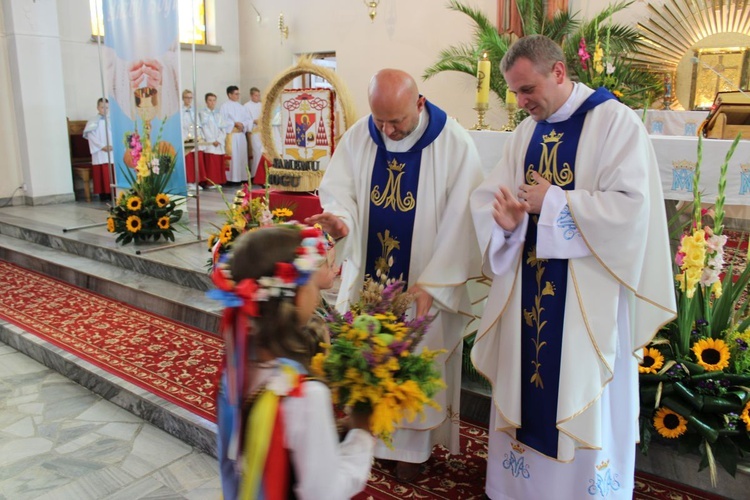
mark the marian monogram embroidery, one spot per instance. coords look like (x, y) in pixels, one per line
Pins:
(605, 482)
(515, 464)
(391, 196)
(567, 224)
(548, 168)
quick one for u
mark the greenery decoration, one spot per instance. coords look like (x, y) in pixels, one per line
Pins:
(634, 83)
(695, 374)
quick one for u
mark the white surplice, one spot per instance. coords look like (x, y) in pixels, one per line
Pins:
(254, 109)
(236, 112)
(215, 128)
(619, 292)
(96, 133)
(443, 256)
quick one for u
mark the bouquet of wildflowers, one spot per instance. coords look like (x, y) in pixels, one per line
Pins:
(695, 375)
(372, 362)
(244, 213)
(145, 210)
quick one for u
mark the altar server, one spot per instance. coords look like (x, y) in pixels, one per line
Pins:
(99, 134)
(236, 113)
(572, 227)
(215, 129)
(396, 194)
(255, 146)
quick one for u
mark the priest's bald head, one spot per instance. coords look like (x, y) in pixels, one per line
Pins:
(395, 103)
(534, 68)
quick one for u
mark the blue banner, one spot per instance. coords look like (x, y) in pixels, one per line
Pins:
(141, 58)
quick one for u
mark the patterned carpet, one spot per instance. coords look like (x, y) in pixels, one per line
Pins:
(172, 360)
(181, 364)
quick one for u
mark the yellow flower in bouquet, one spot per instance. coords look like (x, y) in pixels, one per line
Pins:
(145, 210)
(243, 213)
(372, 362)
(699, 393)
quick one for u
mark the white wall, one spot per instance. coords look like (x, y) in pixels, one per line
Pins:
(406, 34)
(10, 167)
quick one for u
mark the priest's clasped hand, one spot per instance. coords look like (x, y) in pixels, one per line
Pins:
(533, 194)
(331, 224)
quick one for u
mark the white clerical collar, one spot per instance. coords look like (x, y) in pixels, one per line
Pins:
(410, 140)
(575, 99)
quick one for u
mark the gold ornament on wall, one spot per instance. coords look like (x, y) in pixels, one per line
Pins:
(678, 37)
(372, 5)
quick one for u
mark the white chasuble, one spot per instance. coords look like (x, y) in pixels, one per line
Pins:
(618, 294)
(442, 257)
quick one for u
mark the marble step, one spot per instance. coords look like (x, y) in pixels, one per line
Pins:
(182, 424)
(182, 266)
(174, 301)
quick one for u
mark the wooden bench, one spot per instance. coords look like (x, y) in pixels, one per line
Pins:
(80, 157)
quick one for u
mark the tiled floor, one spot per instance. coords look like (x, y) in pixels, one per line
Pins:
(60, 441)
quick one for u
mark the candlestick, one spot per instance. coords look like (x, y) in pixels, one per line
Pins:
(481, 109)
(483, 80)
(510, 98)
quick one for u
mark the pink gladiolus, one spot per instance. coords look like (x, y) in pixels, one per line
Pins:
(679, 259)
(583, 54)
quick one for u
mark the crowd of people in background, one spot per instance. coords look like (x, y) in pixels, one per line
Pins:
(227, 139)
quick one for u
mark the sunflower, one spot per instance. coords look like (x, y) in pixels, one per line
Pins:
(163, 222)
(134, 203)
(745, 416)
(212, 240)
(712, 354)
(652, 361)
(282, 213)
(162, 200)
(111, 224)
(133, 223)
(669, 424)
(225, 236)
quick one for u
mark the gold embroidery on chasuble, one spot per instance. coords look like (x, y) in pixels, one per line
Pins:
(391, 195)
(548, 168)
(384, 262)
(533, 317)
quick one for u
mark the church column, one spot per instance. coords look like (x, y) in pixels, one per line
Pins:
(36, 77)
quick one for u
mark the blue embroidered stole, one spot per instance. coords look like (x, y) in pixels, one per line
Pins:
(551, 153)
(393, 201)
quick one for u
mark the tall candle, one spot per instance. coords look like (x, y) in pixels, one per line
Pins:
(510, 98)
(483, 80)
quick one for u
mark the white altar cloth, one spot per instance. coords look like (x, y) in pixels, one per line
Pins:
(662, 122)
(675, 155)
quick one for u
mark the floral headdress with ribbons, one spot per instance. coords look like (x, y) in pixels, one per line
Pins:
(241, 301)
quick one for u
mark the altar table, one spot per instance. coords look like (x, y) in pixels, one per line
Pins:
(676, 157)
(682, 123)
(303, 205)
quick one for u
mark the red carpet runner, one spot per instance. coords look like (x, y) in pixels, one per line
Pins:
(180, 364)
(174, 361)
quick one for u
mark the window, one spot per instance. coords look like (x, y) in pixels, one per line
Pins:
(189, 32)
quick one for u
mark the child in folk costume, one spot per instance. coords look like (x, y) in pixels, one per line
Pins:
(277, 435)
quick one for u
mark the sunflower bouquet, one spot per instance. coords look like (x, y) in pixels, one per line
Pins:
(695, 375)
(145, 210)
(372, 363)
(244, 213)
